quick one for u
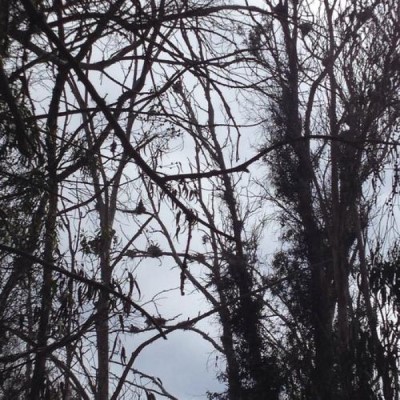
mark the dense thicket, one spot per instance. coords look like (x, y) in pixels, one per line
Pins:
(137, 136)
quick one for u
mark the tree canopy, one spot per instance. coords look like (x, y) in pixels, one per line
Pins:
(157, 155)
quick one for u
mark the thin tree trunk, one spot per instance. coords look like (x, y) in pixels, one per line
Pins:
(39, 373)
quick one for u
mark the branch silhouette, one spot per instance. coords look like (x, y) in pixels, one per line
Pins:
(244, 167)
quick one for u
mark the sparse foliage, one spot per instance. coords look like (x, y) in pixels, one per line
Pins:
(150, 142)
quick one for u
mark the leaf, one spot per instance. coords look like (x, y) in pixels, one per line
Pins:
(123, 356)
(178, 216)
(192, 194)
(131, 283)
(178, 229)
(80, 296)
(90, 292)
(114, 345)
(137, 287)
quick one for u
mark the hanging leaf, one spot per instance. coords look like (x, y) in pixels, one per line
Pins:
(80, 297)
(121, 322)
(131, 283)
(123, 356)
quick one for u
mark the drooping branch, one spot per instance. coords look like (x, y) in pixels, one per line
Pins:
(83, 279)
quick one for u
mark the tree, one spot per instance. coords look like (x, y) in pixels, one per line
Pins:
(325, 79)
(87, 141)
(233, 277)
(126, 142)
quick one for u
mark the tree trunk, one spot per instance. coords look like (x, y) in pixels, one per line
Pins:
(50, 241)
